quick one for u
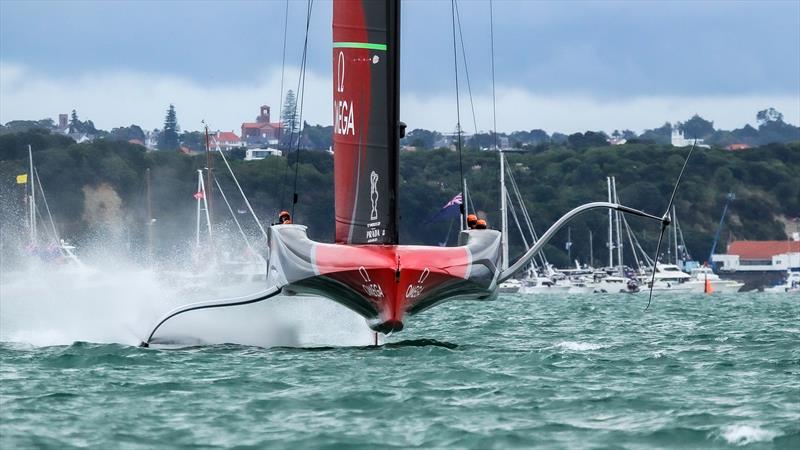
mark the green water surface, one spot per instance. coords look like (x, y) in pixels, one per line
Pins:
(550, 372)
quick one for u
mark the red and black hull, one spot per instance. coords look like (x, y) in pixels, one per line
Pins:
(385, 283)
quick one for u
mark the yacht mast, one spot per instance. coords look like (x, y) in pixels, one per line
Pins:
(675, 237)
(209, 174)
(503, 212)
(619, 230)
(149, 218)
(32, 199)
(610, 227)
(202, 205)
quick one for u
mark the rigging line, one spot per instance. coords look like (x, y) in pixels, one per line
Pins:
(458, 107)
(301, 92)
(665, 222)
(466, 68)
(683, 242)
(230, 210)
(513, 212)
(283, 59)
(630, 240)
(233, 215)
(294, 111)
(47, 207)
(519, 227)
(525, 214)
(244, 197)
(283, 72)
(494, 99)
(645, 256)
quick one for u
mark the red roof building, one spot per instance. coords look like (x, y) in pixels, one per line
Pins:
(262, 131)
(225, 140)
(760, 256)
(762, 250)
(736, 147)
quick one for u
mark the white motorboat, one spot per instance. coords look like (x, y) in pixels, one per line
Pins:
(509, 287)
(790, 285)
(535, 284)
(702, 275)
(669, 277)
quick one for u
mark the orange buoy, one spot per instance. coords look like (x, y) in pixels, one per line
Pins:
(709, 289)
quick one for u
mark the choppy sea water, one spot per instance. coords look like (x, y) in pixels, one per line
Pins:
(551, 372)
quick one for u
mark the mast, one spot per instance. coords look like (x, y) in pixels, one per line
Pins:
(619, 230)
(209, 174)
(591, 250)
(464, 205)
(503, 206)
(366, 120)
(675, 237)
(32, 199)
(202, 205)
(569, 244)
(149, 217)
(610, 225)
(503, 212)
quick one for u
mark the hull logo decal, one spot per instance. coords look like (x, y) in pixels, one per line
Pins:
(373, 194)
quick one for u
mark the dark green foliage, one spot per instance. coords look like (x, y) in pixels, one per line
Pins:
(16, 126)
(194, 140)
(582, 141)
(552, 180)
(78, 126)
(289, 116)
(75, 125)
(533, 137)
(660, 135)
(133, 132)
(14, 146)
(169, 139)
(317, 137)
(423, 139)
(697, 127)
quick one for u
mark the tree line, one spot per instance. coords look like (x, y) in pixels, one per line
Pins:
(552, 180)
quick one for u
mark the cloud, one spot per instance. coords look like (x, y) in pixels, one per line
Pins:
(120, 98)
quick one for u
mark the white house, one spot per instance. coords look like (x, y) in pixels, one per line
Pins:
(261, 153)
(679, 141)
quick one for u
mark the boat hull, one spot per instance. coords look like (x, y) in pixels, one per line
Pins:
(385, 283)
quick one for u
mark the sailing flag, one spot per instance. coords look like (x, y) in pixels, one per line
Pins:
(450, 210)
(199, 195)
(22, 179)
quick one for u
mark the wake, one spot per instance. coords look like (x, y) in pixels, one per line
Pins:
(120, 304)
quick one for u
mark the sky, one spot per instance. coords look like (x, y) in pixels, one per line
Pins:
(559, 66)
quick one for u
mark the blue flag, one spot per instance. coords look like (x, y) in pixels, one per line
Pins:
(450, 210)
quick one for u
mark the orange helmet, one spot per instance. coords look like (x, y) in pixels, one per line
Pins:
(472, 219)
(480, 225)
(284, 217)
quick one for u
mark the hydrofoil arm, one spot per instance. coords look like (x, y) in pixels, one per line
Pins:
(236, 301)
(522, 261)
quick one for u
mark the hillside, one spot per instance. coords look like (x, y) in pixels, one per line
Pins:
(97, 190)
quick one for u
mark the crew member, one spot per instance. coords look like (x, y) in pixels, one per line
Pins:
(472, 219)
(284, 218)
(480, 224)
